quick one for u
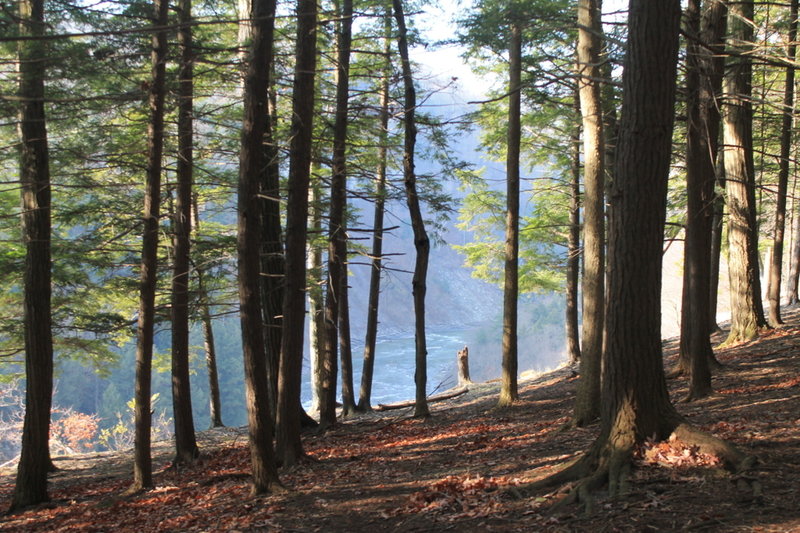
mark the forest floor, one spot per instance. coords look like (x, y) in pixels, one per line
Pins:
(389, 472)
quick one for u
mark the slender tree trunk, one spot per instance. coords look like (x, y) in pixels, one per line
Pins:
(185, 443)
(508, 389)
(421, 241)
(142, 465)
(574, 249)
(272, 259)
(316, 300)
(31, 482)
(747, 312)
(337, 241)
(214, 403)
(717, 229)
(367, 372)
(794, 271)
(251, 162)
(776, 266)
(703, 83)
(289, 445)
(346, 348)
(587, 401)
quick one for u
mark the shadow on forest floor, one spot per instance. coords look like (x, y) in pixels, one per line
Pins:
(389, 472)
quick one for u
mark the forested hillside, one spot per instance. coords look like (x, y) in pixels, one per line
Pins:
(284, 215)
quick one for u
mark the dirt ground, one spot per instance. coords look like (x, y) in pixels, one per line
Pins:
(389, 472)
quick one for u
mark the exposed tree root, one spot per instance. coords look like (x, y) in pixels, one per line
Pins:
(606, 465)
(733, 458)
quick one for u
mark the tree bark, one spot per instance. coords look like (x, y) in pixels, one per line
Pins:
(316, 300)
(209, 346)
(587, 401)
(185, 442)
(776, 266)
(368, 369)
(635, 400)
(272, 258)
(508, 390)
(31, 482)
(747, 312)
(717, 229)
(337, 240)
(143, 466)
(251, 161)
(421, 242)
(289, 445)
(574, 250)
(346, 348)
(703, 84)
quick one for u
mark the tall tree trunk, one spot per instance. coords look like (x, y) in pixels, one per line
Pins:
(794, 270)
(185, 443)
(337, 241)
(272, 258)
(717, 229)
(251, 163)
(316, 299)
(143, 465)
(747, 312)
(703, 84)
(587, 401)
(214, 403)
(776, 266)
(636, 404)
(367, 372)
(289, 445)
(421, 242)
(508, 389)
(574, 249)
(34, 463)
(346, 348)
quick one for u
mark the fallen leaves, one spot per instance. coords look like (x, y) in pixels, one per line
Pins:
(674, 454)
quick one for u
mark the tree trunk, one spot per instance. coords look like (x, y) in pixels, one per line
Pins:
(337, 241)
(421, 241)
(185, 443)
(316, 301)
(587, 401)
(143, 466)
(508, 389)
(717, 229)
(794, 270)
(289, 445)
(251, 162)
(214, 403)
(747, 312)
(462, 361)
(34, 463)
(636, 404)
(346, 349)
(703, 84)
(272, 259)
(574, 250)
(367, 372)
(776, 266)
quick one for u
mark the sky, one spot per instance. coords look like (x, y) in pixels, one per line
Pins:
(440, 64)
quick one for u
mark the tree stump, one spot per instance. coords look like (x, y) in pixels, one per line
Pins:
(463, 366)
